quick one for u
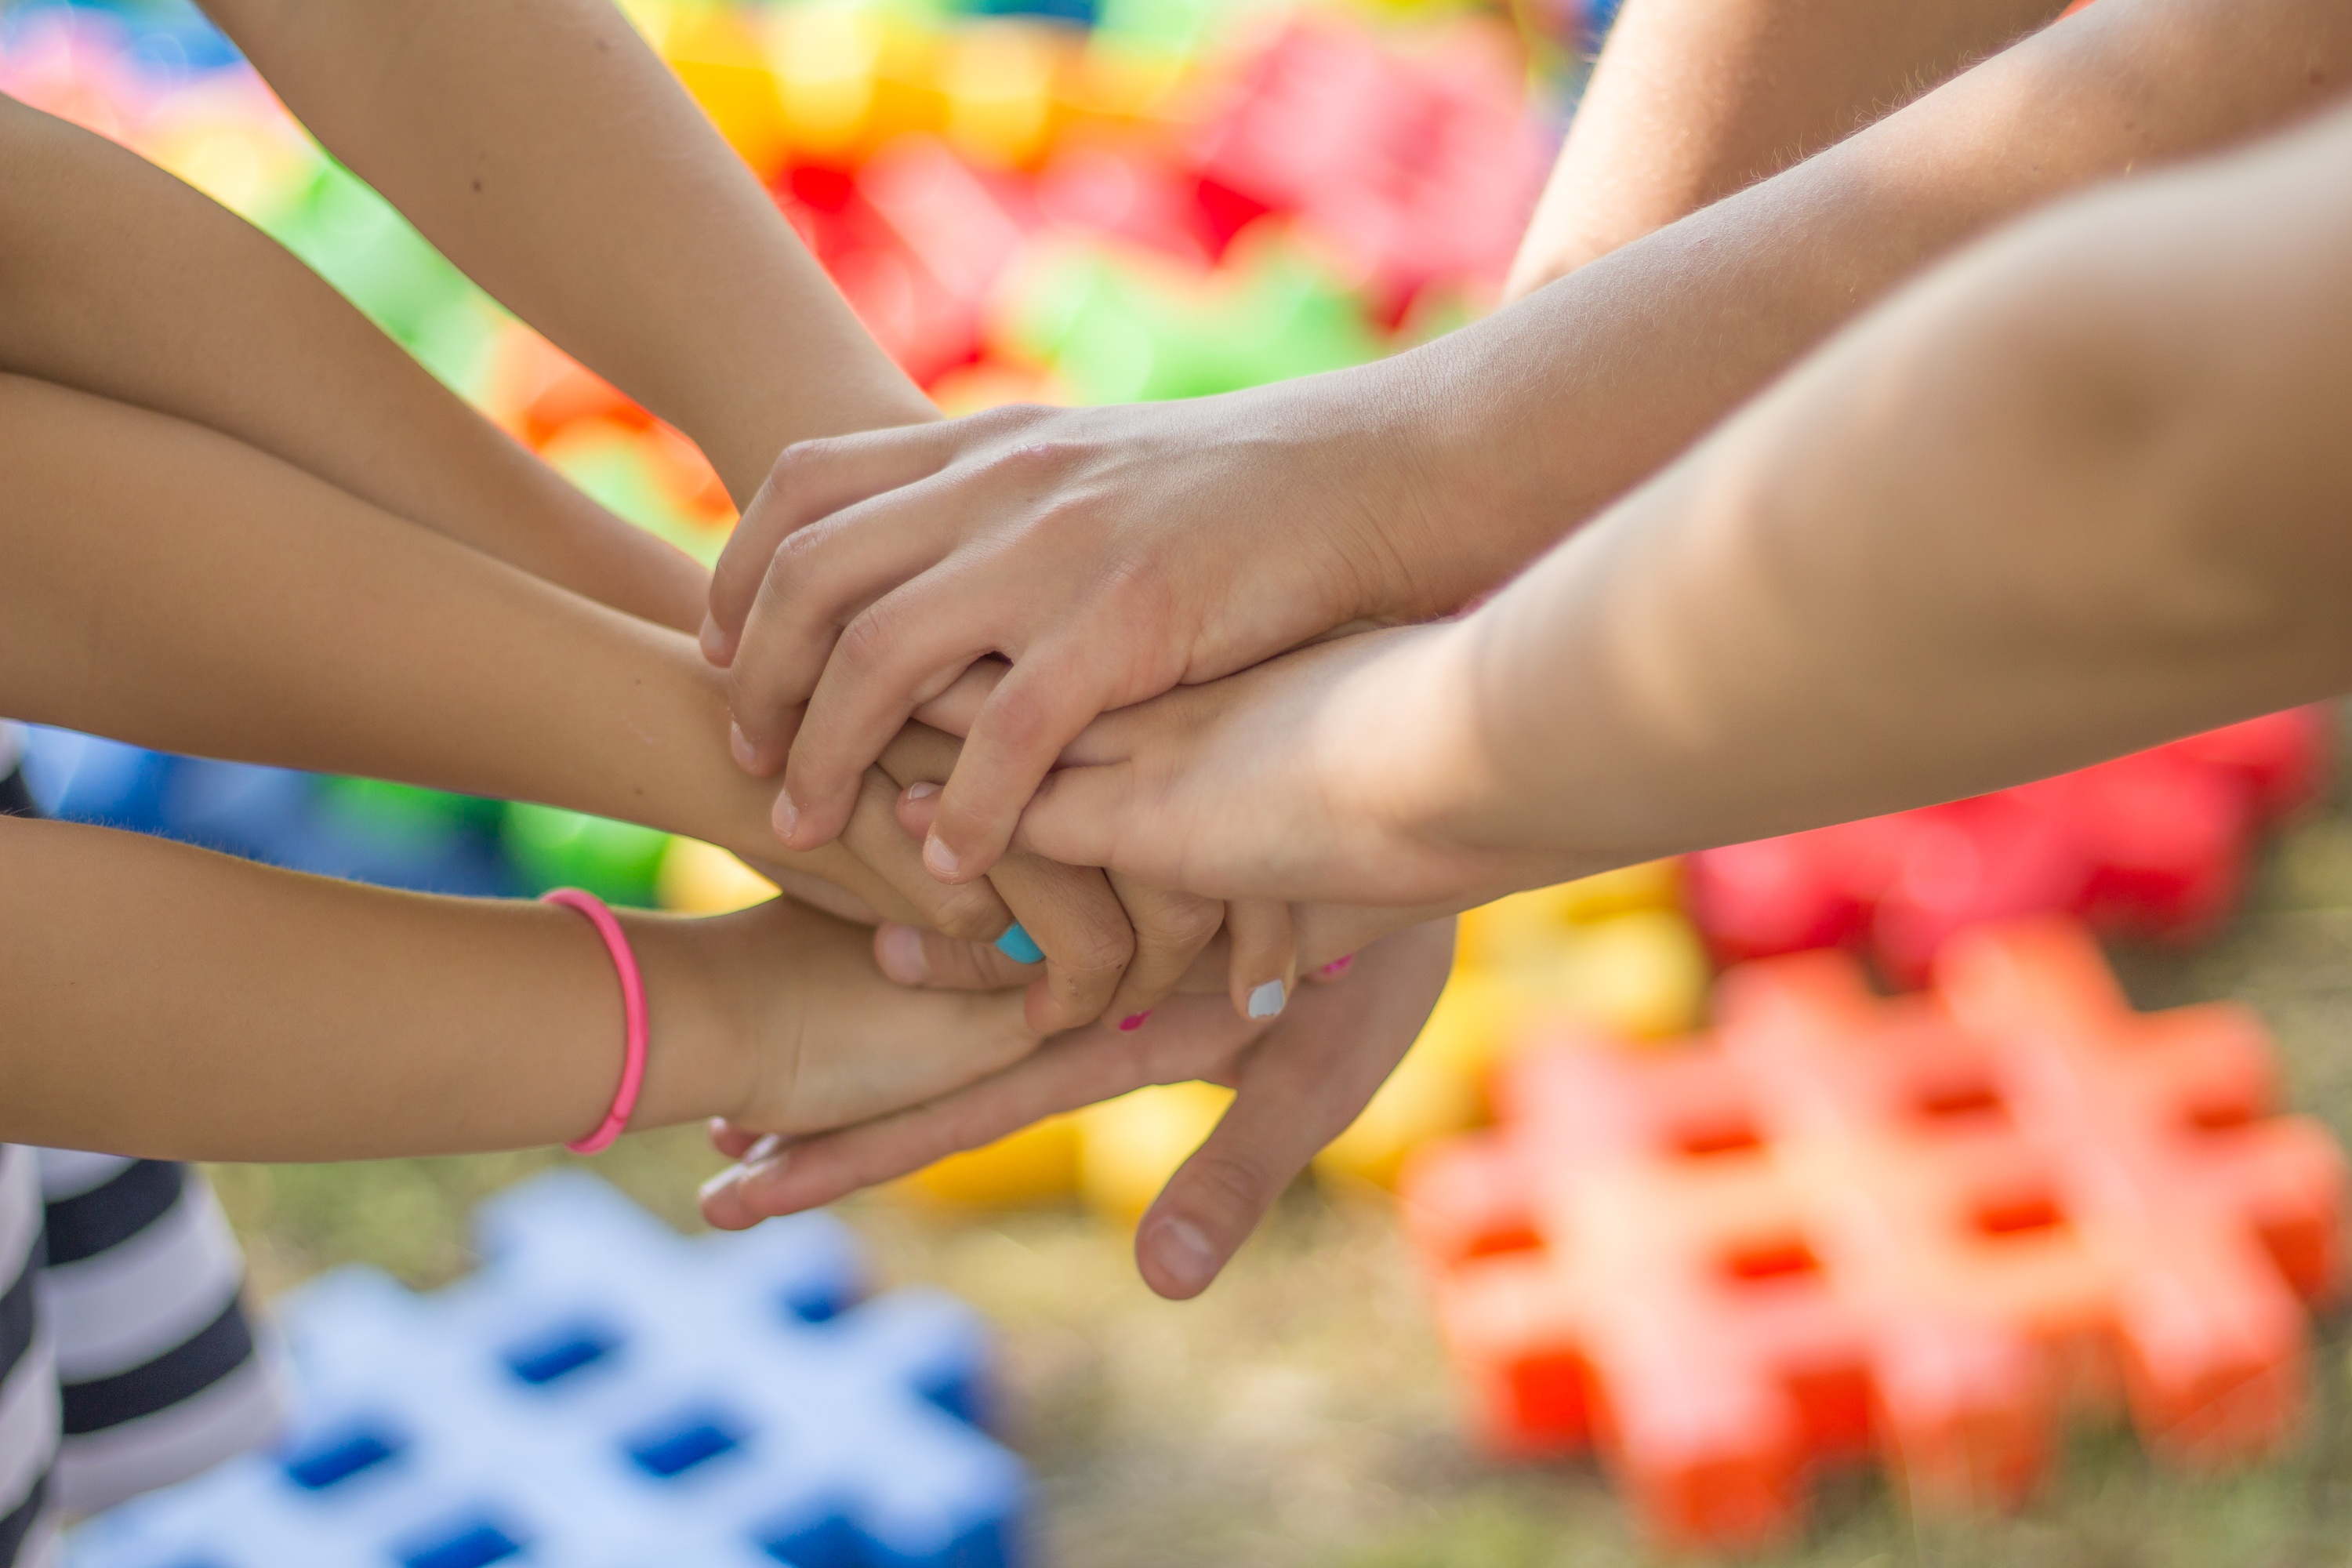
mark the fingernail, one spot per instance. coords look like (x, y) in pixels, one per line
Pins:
(1337, 967)
(721, 1182)
(899, 949)
(714, 641)
(785, 817)
(1184, 1253)
(942, 860)
(1019, 946)
(741, 745)
(1267, 1000)
(1133, 1021)
(921, 791)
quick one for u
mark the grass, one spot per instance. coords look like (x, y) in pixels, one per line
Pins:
(1301, 1414)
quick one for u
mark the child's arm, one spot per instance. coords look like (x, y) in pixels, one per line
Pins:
(1112, 552)
(1694, 100)
(545, 150)
(167, 1002)
(2083, 490)
(123, 282)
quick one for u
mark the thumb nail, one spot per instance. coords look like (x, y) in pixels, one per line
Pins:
(900, 951)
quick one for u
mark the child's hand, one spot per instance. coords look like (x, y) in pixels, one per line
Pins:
(1300, 1082)
(823, 1038)
(1343, 773)
(1110, 554)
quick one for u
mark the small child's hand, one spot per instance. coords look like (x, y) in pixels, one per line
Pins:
(824, 1039)
(1300, 1082)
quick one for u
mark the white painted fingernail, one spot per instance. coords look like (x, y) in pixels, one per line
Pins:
(1267, 1000)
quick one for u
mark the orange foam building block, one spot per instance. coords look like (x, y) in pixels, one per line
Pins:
(1922, 1229)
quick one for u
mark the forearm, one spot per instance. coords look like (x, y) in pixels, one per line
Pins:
(171, 1003)
(124, 283)
(2078, 493)
(165, 585)
(550, 154)
(1694, 100)
(1538, 416)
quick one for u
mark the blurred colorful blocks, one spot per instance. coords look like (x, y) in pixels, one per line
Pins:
(606, 1391)
(1920, 1229)
(2155, 846)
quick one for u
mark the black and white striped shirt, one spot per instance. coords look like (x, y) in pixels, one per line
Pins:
(127, 1362)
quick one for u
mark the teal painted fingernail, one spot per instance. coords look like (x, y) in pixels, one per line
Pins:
(1266, 1001)
(1019, 946)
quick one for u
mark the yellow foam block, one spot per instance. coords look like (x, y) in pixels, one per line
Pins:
(1129, 1147)
(1529, 927)
(1036, 1164)
(724, 64)
(823, 57)
(998, 77)
(1644, 974)
(698, 879)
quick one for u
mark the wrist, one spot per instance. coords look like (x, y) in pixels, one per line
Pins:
(699, 1059)
(1412, 756)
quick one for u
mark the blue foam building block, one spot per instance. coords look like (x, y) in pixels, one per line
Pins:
(605, 1393)
(273, 814)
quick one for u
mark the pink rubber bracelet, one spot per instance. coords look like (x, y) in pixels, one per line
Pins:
(632, 1011)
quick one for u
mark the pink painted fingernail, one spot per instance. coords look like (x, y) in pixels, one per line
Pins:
(1337, 967)
(785, 817)
(1134, 1021)
(741, 745)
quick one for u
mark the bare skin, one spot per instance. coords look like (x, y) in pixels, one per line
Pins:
(1694, 100)
(1113, 553)
(2078, 492)
(311, 1019)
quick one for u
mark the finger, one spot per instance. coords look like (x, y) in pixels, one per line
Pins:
(1084, 815)
(809, 481)
(1196, 1039)
(1172, 929)
(1070, 915)
(1038, 708)
(972, 912)
(892, 656)
(953, 711)
(732, 1140)
(1078, 924)
(822, 584)
(1300, 1087)
(1264, 968)
(914, 957)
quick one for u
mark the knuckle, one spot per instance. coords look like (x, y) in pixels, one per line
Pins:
(796, 462)
(867, 641)
(1228, 1184)
(1189, 925)
(965, 913)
